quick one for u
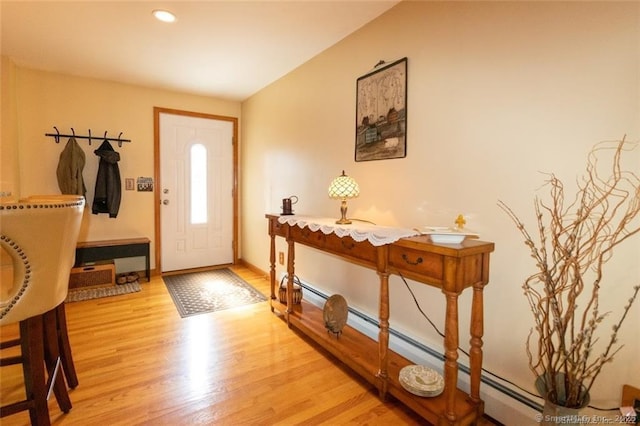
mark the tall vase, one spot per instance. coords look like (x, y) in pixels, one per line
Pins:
(553, 414)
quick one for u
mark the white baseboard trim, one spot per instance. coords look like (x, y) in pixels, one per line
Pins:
(503, 402)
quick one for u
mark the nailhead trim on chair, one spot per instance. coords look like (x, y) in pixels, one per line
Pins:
(27, 276)
(35, 205)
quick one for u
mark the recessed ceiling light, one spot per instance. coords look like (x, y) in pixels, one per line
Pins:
(164, 15)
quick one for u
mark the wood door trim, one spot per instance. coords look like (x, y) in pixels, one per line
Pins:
(156, 166)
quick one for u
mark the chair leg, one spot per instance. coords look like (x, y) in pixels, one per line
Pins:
(65, 347)
(32, 349)
(52, 359)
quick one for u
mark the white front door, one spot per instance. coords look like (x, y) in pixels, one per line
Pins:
(196, 191)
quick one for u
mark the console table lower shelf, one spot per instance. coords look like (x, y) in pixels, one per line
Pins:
(360, 353)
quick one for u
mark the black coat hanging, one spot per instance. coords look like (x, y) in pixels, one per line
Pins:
(108, 190)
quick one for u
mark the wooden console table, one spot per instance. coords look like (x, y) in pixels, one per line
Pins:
(451, 268)
(90, 251)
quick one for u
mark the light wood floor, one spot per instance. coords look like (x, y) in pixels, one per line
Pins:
(140, 363)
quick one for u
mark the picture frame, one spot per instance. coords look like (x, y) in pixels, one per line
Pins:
(381, 112)
(145, 184)
(129, 185)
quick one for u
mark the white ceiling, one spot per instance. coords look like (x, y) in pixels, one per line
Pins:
(227, 49)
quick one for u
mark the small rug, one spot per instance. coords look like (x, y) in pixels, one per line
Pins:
(203, 292)
(77, 295)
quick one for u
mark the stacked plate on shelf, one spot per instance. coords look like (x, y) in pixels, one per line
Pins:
(421, 380)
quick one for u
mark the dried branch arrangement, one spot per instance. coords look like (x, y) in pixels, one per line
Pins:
(575, 239)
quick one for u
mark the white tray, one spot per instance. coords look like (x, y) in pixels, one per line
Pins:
(445, 235)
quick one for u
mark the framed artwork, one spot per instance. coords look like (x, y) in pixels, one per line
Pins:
(145, 184)
(129, 185)
(381, 112)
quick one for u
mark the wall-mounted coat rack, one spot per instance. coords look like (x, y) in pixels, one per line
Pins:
(57, 135)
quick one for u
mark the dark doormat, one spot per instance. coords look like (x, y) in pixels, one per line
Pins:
(202, 292)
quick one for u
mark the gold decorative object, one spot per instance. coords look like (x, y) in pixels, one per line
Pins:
(335, 314)
(343, 187)
(460, 221)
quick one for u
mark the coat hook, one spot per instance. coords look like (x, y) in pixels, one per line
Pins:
(120, 135)
(89, 137)
(105, 134)
(57, 137)
(74, 132)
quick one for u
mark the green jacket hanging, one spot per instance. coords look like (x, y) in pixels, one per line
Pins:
(70, 166)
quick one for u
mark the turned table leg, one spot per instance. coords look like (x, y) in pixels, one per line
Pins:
(477, 326)
(451, 355)
(291, 253)
(272, 267)
(383, 336)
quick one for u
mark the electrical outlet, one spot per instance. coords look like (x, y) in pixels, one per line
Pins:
(281, 257)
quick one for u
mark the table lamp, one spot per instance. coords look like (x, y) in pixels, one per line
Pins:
(343, 187)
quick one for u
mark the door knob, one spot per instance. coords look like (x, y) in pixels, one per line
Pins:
(165, 202)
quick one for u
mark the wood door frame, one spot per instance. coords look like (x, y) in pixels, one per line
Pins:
(156, 165)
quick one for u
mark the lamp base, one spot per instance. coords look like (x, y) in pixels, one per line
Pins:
(343, 212)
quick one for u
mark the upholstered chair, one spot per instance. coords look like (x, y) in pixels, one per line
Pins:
(39, 235)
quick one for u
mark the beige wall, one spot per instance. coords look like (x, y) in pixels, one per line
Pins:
(44, 100)
(8, 131)
(497, 93)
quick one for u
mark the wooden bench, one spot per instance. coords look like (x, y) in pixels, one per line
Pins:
(91, 251)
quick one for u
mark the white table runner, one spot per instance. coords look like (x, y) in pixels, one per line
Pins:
(359, 231)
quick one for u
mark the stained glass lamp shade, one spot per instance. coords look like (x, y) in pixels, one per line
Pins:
(343, 187)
